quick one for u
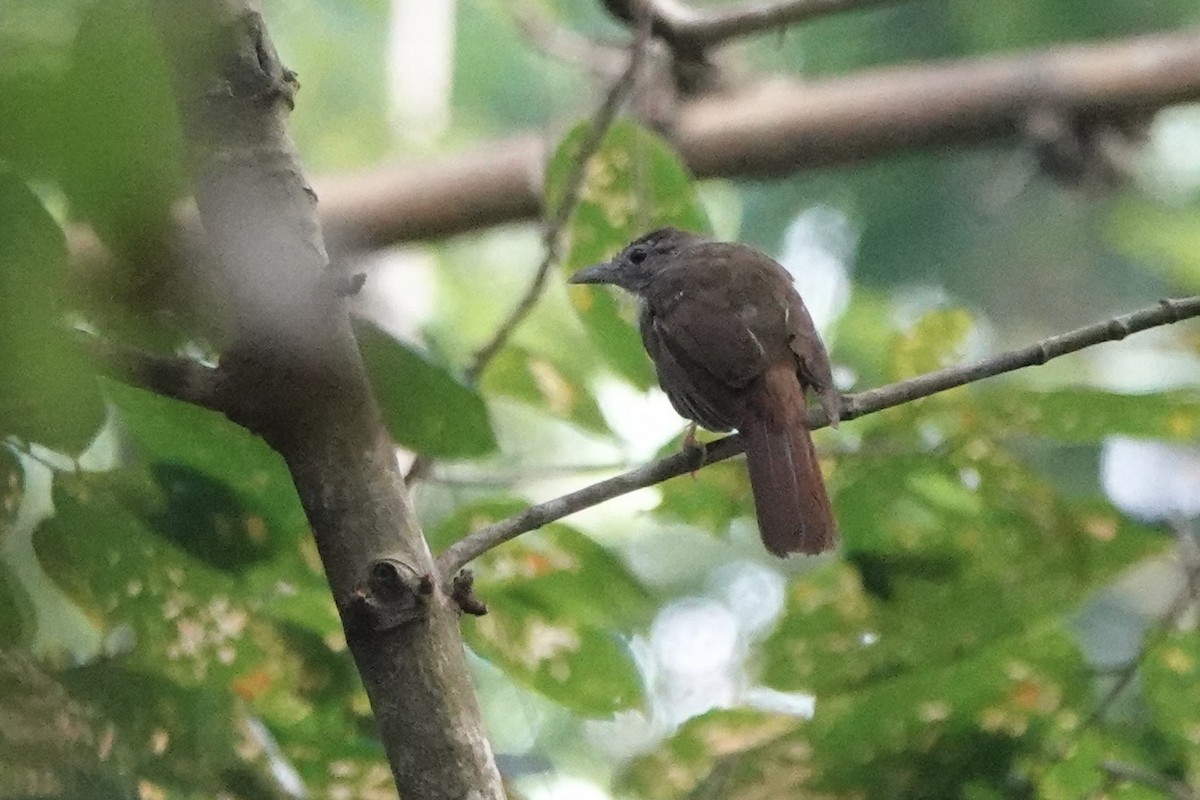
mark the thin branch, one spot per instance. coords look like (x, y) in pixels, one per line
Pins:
(552, 236)
(171, 376)
(1120, 771)
(602, 59)
(1167, 622)
(484, 539)
(689, 28)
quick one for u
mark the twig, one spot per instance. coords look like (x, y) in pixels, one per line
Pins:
(1120, 771)
(482, 540)
(1163, 626)
(552, 236)
(684, 27)
(602, 59)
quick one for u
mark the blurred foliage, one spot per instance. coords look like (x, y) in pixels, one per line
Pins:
(49, 394)
(559, 607)
(165, 629)
(633, 183)
(423, 406)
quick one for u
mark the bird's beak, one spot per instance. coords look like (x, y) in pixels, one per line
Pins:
(597, 273)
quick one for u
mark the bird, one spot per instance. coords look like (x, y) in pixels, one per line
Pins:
(734, 347)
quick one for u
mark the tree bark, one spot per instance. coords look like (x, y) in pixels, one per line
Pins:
(293, 375)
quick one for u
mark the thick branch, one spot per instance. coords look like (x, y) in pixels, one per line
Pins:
(484, 539)
(787, 127)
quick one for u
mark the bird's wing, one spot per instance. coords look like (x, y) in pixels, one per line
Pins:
(815, 369)
(710, 331)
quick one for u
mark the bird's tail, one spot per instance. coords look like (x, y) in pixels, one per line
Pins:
(794, 514)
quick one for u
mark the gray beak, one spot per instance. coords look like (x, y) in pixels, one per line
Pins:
(597, 273)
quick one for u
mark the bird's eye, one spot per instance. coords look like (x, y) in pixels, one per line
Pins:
(637, 255)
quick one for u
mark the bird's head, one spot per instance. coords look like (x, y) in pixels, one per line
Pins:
(634, 267)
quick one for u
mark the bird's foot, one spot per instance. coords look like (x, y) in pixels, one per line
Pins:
(700, 450)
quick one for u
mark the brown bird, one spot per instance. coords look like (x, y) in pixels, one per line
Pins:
(734, 347)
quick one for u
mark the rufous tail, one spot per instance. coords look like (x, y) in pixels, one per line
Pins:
(794, 514)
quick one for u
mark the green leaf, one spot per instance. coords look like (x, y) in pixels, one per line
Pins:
(634, 183)
(1161, 235)
(1081, 414)
(1170, 675)
(936, 341)
(211, 469)
(183, 736)
(35, 36)
(684, 765)
(123, 159)
(545, 382)
(425, 408)
(710, 499)
(50, 395)
(1079, 770)
(988, 719)
(230, 502)
(614, 334)
(192, 640)
(979, 720)
(936, 570)
(558, 603)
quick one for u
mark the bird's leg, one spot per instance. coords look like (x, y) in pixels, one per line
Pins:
(690, 442)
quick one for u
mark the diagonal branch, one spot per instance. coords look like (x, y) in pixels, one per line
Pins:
(1162, 627)
(602, 59)
(1132, 773)
(552, 237)
(858, 405)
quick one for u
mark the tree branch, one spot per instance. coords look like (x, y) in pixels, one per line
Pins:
(1120, 771)
(602, 59)
(171, 376)
(783, 128)
(776, 130)
(552, 236)
(1162, 627)
(479, 542)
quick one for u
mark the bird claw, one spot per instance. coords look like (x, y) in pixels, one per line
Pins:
(690, 442)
